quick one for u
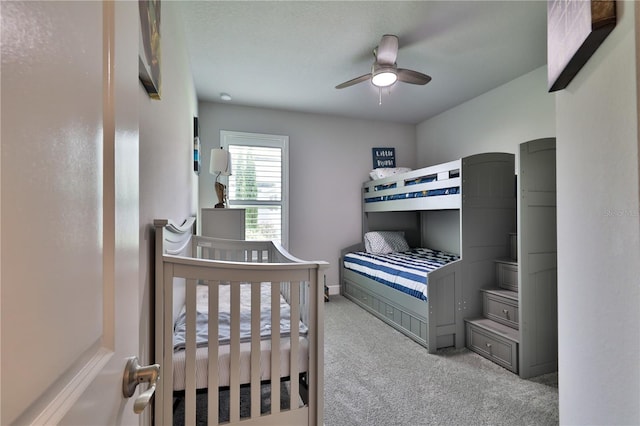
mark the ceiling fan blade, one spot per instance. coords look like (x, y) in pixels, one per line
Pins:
(412, 77)
(387, 50)
(353, 81)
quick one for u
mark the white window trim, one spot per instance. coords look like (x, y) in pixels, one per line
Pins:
(228, 137)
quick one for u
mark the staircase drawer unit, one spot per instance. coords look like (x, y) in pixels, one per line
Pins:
(501, 306)
(507, 274)
(493, 341)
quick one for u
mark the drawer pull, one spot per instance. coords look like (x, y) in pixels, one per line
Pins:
(506, 313)
(489, 347)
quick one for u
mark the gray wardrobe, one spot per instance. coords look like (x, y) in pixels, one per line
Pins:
(519, 326)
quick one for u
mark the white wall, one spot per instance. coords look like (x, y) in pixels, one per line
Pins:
(598, 234)
(499, 120)
(329, 158)
(168, 186)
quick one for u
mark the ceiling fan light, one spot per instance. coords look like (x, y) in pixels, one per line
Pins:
(384, 78)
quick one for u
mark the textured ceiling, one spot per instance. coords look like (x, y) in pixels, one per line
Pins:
(291, 55)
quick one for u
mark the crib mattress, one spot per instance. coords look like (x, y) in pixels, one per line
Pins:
(224, 324)
(405, 271)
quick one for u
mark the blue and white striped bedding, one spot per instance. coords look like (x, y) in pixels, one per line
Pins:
(404, 271)
(416, 194)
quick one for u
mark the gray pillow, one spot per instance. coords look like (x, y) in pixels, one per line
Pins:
(385, 242)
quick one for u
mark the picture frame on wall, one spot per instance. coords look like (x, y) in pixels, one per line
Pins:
(196, 146)
(575, 30)
(149, 47)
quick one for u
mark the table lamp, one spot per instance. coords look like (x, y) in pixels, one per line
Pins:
(220, 165)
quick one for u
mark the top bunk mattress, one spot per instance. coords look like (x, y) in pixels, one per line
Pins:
(405, 271)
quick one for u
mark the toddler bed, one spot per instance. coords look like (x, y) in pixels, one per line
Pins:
(267, 308)
(432, 235)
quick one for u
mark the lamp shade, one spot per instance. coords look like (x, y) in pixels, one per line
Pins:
(220, 162)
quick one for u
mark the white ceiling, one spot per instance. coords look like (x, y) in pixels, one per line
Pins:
(291, 55)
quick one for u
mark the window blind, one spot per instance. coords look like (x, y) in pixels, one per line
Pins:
(256, 185)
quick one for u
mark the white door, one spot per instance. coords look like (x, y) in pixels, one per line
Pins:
(69, 230)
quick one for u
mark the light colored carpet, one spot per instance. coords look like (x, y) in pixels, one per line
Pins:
(374, 375)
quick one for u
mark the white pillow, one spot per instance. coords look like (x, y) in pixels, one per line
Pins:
(386, 172)
(385, 242)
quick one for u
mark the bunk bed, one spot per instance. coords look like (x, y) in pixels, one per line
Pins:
(267, 308)
(461, 211)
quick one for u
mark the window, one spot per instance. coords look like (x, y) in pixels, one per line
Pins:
(259, 183)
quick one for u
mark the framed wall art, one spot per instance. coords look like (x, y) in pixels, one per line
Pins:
(196, 146)
(149, 50)
(575, 29)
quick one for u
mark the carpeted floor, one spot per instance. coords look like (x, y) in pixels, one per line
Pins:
(375, 375)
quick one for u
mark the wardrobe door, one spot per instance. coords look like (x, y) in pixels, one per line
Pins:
(537, 257)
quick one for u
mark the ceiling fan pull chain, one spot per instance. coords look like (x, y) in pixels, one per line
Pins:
(379, 95)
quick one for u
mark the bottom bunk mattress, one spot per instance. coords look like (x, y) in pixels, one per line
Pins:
(405, 271)
(224, 326)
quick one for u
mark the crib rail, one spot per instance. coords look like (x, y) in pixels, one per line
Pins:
(238, 266)
(241, 250)
(251, 251)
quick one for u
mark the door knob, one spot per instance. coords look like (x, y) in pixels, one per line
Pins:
(134, 374)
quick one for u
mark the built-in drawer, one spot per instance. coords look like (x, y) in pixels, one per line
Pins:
(501, 306)
(356, 293)
(507, 274)
(493, 341)
(387, 310)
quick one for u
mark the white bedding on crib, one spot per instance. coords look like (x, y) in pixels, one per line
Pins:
(224, 316)
(202, 305)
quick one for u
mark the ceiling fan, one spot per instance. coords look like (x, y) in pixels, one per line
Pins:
(385, 71)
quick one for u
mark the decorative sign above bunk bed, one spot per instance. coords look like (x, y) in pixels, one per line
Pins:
(383, 157)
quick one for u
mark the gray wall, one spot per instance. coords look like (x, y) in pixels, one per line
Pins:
(499, 120)
(329, 158)
(167, 186)
(598, 233)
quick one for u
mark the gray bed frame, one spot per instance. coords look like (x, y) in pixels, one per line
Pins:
(474, 224)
